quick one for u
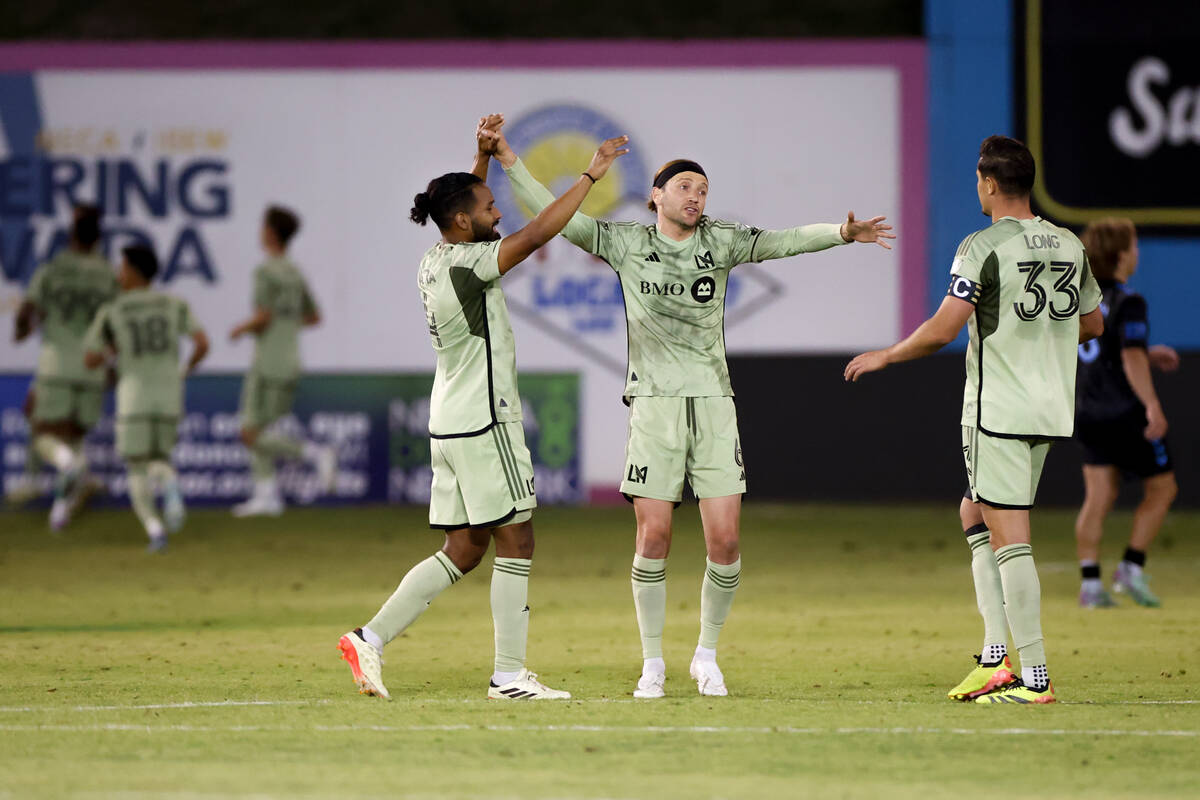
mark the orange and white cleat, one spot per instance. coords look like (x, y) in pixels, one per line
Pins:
(366, 664)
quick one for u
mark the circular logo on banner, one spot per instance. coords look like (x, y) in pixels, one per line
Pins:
(557, 143)
(704, 289)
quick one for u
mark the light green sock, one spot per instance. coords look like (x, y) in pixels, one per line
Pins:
(269, 448)
(141, 496)
(649, 578)
(416, 591)
(716, 598)
(510, 611)
(1023, 605)
(989, 592)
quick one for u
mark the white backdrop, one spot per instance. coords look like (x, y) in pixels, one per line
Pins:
(349, 149)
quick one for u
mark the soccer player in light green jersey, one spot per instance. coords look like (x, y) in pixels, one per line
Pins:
(62, 299)
(143, 328)
(482, 472)
(1025, 289)
(682, 421)
(283, 305)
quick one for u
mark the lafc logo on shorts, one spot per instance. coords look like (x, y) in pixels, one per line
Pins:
(637, 474)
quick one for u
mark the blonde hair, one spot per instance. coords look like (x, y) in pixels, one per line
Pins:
(1105, 240)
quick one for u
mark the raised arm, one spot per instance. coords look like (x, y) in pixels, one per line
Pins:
(552, 217)
(580, 230)
(765, 245)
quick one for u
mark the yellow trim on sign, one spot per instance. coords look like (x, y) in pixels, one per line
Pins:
(1033, 115)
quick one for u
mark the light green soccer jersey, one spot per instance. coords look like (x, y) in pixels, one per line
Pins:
(1030, 282)
(675, 291)
(475, 383)
(67, 291)
(280, 288)
(144, 327)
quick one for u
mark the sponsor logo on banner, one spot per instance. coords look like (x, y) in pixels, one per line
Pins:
(569, 294)
(1112, 136)
(159, 184)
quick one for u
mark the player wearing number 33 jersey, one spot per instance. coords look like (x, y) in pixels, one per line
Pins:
(1026, 292)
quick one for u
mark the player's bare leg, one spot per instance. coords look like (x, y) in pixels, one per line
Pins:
(1101, 485)
(1010, 534)
(721, 517)
(649, 579)
(1158, 492)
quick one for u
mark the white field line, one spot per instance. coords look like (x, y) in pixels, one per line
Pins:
(157, 706)
(481, 701)
(608, 729)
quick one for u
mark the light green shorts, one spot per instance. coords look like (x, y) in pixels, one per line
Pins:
(1003, 473)
(265, 400)
(482, 481)
(61, 400)
(146, 437)
(672, 438)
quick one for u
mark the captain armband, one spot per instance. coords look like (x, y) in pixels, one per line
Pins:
(964, 289)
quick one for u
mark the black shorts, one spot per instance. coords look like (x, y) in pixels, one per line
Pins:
(1120, 443)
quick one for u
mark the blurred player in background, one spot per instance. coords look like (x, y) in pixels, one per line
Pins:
(482, 472)
(68, 397)
(682, 421)
(1025, 288)
(283, 305)
(143, 328)
(1119, 420)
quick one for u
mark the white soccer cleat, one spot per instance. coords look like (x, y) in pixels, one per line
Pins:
(708, 677)
(260, 505)
(525, 687)
(174, 512)
(366, 664)
(157, 544)
(650, 686)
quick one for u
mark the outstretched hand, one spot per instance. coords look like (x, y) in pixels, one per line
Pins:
(872, 361)
(867, 230)
(610, 150)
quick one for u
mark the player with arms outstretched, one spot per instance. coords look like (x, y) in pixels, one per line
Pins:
(143, 328)
(682, 422)
(283, 306)
(68, 397)
(1024, 288)
(482, 471)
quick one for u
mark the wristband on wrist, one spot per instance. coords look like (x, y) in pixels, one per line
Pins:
(588, 175)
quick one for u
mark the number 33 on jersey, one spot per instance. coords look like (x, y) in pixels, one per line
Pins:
(1029, 281)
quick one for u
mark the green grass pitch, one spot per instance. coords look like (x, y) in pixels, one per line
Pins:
(212, 671)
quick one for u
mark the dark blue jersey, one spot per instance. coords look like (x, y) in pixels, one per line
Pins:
(1102, 392)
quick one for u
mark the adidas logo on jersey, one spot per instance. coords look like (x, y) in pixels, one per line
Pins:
(653, 257)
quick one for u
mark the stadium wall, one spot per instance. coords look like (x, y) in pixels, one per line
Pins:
(895, 435)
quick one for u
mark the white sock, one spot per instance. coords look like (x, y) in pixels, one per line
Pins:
(704, 654)
(372, 638)
(1092, 585)
(54, 451)
(311, 450)
(1035, 677)
(501, 678)
(266, 488)
(154, 528)
(654, 666)
(1132, 568)
(993, 653)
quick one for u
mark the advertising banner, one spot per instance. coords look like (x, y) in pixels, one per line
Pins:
(185, 145)
(378, 424)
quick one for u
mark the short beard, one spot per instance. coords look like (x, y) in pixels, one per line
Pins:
(484, 233)
(687, 226)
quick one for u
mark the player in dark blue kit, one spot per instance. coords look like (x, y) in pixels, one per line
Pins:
(1118, 419)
